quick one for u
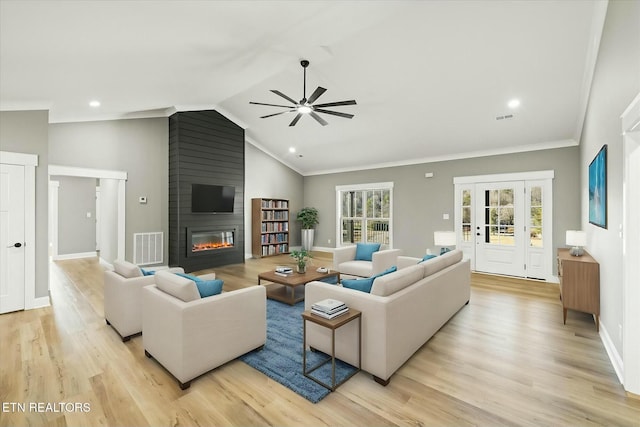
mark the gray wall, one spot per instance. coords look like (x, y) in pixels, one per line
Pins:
(27, 132)
(268, 178)
(108, 220)
(138, 147)
(616, 82)
(419, 202)
(76, 198)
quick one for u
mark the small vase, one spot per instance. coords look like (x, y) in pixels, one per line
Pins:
(301, 269)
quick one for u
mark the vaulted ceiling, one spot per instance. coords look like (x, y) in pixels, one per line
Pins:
(432, 79)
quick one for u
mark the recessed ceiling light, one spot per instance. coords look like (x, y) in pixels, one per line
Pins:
(514, 103)
(292, 149)
(94, 104)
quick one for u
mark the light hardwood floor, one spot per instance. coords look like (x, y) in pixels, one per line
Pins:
(505, 359)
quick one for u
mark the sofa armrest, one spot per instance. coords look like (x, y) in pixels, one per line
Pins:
(122, 301)
(208, 276)
(191, 338)
(344, 254)
(382, 260)
(407, 261)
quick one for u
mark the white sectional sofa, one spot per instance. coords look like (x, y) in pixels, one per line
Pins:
(404, 309)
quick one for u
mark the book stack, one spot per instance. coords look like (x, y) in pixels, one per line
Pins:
(329, 308)
(284, 271)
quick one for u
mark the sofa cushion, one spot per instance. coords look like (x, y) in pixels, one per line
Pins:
(443, 261)
(364, 251)
(126, 269)
(356, 268)
(390, 283)
(208, 288)
(176, 286)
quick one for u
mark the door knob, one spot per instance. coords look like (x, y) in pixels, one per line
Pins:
(15, 245)
(477, 234)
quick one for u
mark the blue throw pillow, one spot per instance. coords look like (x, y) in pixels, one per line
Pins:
(209, 288)
(427, 258)
(147, 272)
(364, 251)
(387, 271)
(363, 285)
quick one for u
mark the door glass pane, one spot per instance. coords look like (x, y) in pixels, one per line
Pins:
(535, 222)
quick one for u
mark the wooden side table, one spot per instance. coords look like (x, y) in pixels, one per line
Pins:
(332, 324)
(579, 284)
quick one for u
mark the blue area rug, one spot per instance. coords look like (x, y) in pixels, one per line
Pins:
(281, 357)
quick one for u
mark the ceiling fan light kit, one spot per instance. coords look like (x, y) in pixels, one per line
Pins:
(305, 106)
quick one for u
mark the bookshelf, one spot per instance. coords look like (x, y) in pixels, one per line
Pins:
(269, 227)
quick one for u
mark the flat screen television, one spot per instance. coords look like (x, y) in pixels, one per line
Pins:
(212, 198)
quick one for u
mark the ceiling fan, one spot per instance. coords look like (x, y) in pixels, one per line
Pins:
(305, 106)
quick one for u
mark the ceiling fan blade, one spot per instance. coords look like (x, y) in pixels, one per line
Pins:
(276, 114)
(269, 105)
(337, 104)
(319, 119)
(295, 119)
(335, 113)
(316, 94)
(277, 92)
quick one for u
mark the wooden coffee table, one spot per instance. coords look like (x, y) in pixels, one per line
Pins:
(290, 289)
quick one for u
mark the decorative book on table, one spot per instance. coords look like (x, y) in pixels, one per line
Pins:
(283, 271)
(329, 308)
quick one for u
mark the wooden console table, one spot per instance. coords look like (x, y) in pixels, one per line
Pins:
(579, 284)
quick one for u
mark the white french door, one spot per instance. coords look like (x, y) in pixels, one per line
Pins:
(503, 223)
(500, 228)
(12, 238)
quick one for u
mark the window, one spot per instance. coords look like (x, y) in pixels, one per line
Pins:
(466, 215)
(535, 226)
(365, 213)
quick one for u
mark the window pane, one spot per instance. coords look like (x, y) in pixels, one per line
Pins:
(378, 231)
(493, 216)
(466, 232)
(386, 203)
(466, 215)
(351, 231)
(493, 197)
(536, 216)
(506, 216)
(466, 198)
(506, 197)
(535, 237)
(357, 201)
(536, 196)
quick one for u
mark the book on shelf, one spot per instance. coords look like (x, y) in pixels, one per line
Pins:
(322, 314)
(329, 306)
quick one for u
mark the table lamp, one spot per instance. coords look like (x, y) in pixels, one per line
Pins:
(445, 239)
(576, 239)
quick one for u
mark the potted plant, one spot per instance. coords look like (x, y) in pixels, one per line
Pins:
(301, 257)
(309, 219)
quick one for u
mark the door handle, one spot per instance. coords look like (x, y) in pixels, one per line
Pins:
(15, 245)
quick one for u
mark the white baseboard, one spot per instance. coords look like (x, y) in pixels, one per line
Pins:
(612, 352)
(322, 249)
(75, 256)
(38, 303)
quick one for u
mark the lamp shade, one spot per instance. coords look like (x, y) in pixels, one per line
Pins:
(444, 238)
(576, 238)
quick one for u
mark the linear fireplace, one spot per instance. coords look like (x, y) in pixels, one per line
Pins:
(206, 242)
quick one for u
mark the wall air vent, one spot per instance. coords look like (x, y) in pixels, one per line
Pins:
(507, 116)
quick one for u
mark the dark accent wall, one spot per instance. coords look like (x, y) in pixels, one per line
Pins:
(204, 148)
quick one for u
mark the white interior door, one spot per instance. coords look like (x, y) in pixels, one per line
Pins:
(499, 228)
(12, 238)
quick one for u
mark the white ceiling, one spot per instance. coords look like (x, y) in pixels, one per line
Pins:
(429, 77)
